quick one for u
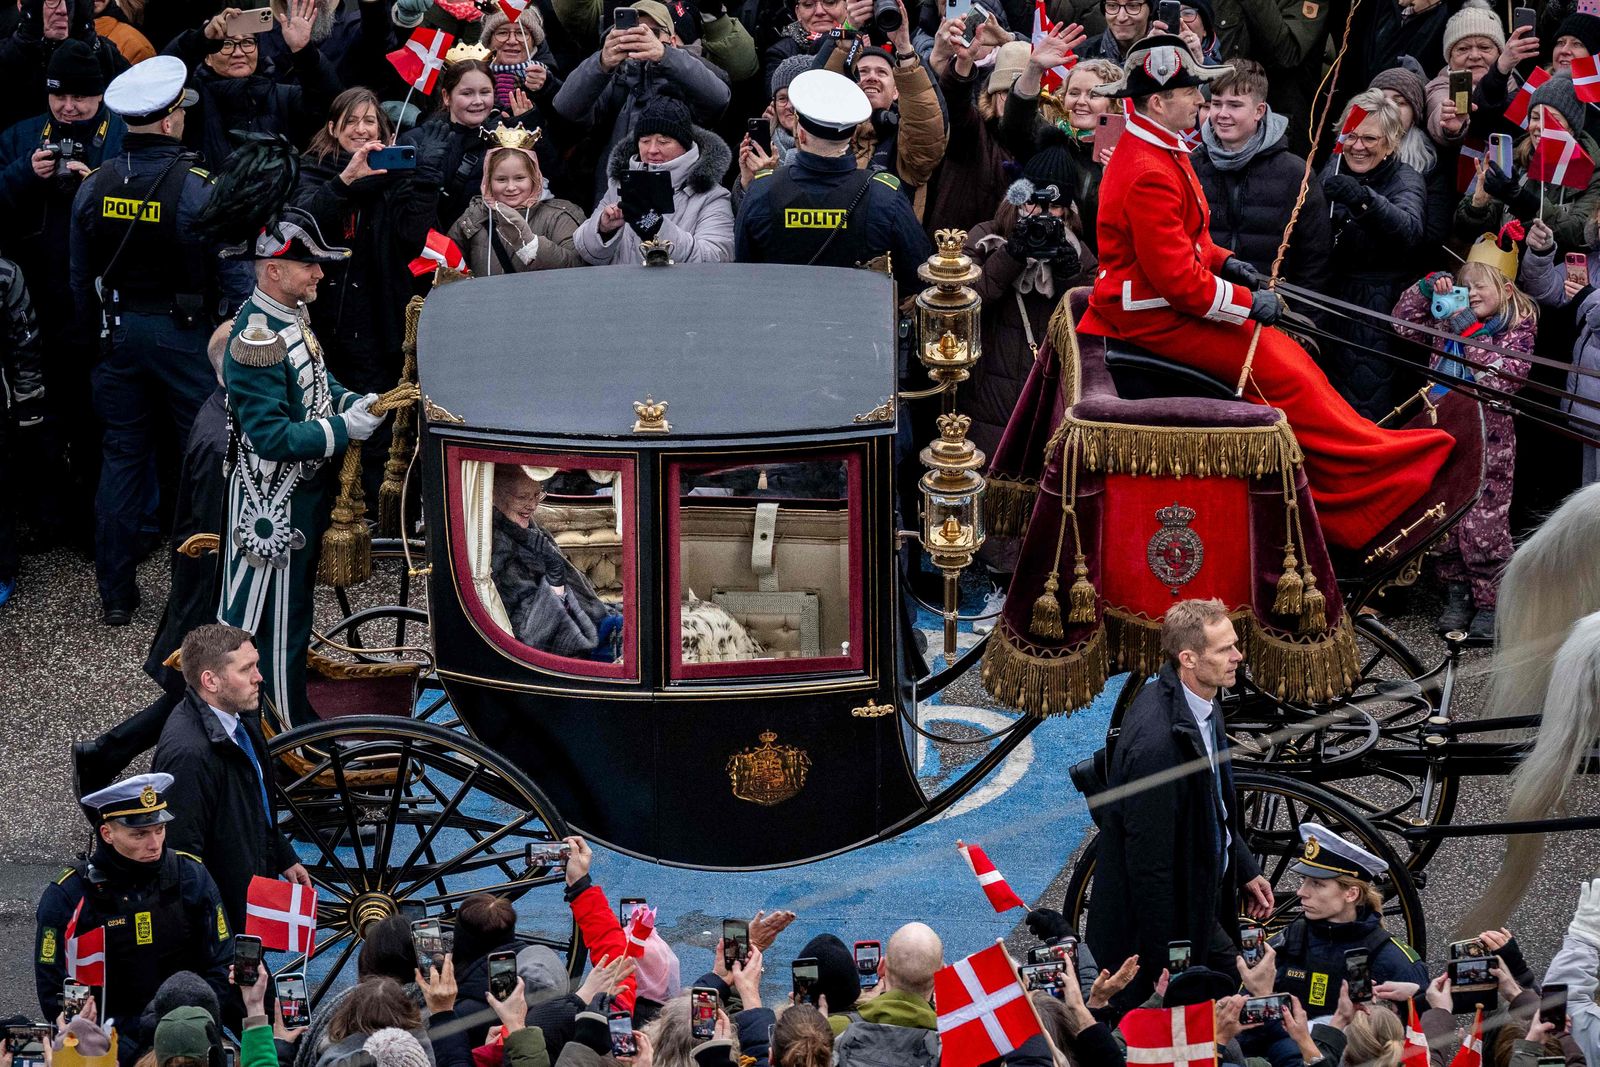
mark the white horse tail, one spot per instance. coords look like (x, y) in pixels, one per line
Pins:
(1567, 731)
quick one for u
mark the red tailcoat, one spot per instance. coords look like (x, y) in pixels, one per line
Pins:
(1158, 288)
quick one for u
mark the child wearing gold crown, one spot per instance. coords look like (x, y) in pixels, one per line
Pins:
(514, 224)
(1481, 301)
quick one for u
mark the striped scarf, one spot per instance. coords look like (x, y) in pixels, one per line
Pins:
(507, 76)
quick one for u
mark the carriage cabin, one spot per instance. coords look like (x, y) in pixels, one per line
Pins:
(662, 537)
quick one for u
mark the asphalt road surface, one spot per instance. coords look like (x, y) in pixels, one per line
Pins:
(68, 677)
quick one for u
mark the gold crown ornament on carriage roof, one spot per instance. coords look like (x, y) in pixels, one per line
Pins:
(517, 136)
(461, 52)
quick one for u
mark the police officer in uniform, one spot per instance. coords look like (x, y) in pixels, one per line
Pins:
(160, 910)
(1341, 913)
(156, 292)
(821, 209)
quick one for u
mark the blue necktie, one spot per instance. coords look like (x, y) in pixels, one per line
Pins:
(242, 739)
(1223, 778)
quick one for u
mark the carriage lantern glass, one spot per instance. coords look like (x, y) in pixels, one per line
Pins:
(947, 314)
(952, 510)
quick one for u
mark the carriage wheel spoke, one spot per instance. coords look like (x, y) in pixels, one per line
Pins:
(338, 964)
(476, 847)
(503, 888)
(445, 812)
(391, 821)
(322, 846)
(350, 816)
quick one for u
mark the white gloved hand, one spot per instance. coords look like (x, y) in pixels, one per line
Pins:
(359, 421)
(1585, 925)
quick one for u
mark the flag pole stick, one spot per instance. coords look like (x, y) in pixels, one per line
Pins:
(395, 133)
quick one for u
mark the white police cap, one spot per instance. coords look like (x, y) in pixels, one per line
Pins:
(150, 91)
(137, 801)
(828, 104)
(1324, 854)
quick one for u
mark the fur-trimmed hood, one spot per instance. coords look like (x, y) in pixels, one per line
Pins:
(704, 174)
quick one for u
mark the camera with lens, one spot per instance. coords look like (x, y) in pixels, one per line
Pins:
(886, 17)
(64, 150)
(1041, 233)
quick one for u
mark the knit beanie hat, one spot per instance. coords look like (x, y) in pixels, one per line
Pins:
(74, 71)
(530, 20)
(1557, 92)
(1009, 61)
(1196, 986)
(1475, 19)
(1585, 28)
(85, 1038)
(836, 972)
(658, 972)
(1409, 85)
(393, 1047)
(186, 1032)
(668, 117)
(186, 989)
(788, 71)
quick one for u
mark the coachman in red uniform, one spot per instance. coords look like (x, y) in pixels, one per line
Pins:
(1164, 286)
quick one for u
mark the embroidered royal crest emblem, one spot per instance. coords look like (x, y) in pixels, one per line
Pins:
(1312, 849)
(769, 774)
(1175, 551)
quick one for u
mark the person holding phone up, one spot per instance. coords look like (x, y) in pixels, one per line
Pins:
(159, 908)
(1475, 42)
(1574, 966)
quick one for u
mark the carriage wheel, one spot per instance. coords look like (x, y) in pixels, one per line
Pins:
(395, 816)
(1272, 809)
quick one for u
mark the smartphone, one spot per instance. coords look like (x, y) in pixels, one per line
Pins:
(626, 18)
(868, 953)
(1252, 943)
(230, 1055)
(292, 1000)
(760, 131)
(1578, 267)
(1264, 1009)
(735, 941)
(395, 157)
(545, 853)
(1358, 972)
(1108, 132)
(1461, 89)
(620, 1022)
(1044, 977)
(247, 23)
(246, 958)
(428, 939)
(1177, 956)
(502, 974)
(1523, 16)
(1460, 950)
(1472, 984)
(957, 9)
(1170, 12)
(647, 190)
(703, 1012)
(1553, 1006)
(974, 19)
(626, 907)
(803, 974)
(1500, 152)
(73, 995)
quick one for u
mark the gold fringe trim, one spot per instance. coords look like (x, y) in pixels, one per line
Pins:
(1063, 335)
(1179, 452)
(1044, 682)
(1008, 505)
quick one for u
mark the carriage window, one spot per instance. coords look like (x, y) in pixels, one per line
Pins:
(550, 557)
(763, 566)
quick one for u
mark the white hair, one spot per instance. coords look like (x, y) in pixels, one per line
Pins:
(1417, 152)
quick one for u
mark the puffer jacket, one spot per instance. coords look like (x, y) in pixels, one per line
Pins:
(701, 226)
(552, 222)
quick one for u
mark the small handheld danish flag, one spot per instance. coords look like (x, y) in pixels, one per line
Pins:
(1471, 1054)
(642, 925)
(1172, 1037)
(1415, 1053)
(1357, 116)
(1517, 110)
(282, 914)
(438, 251)
(995, 886)
(513, 9)
(1054, 78)
(984, 1013)
(421, 59)
(86, 952)
(1586, 79)
(1558, 158)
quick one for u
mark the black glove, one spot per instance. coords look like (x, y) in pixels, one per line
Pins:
(1266, 307)
(647, 225)
(592, 1030)
(1343, 189)
(1048, 925)
(1500, 185)
(1241, 272)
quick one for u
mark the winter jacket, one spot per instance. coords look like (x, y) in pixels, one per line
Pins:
(1489, 99)
(256, 1046)
(312, 1044)
(701, 226)
(134, 46)
(1105, 46)
(1022, 133)
(255, 103)
(340, 1053)
(892, 1027)
(524, 560)
(532, 238)
(1252, 198)
(353, 53)
(1507, 374)
(1286, 37)
(454, 153)
(592, 96)
(1382, 33)
(22, 388)
(793, 41)
(25, 54)
(1370, 264)
(723, 41)
(1575, 965)
(526, 1048)
(971, 179)
(472, 994)
(602, 932)
(1564, 210)
(1311, 958)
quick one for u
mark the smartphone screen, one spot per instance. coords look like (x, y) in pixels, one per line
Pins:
(1250, 940)
(246, 958)
(735, 941)
(1046, 977)
(1177, 956)
(1359, 974)
(1466, 949)
(292, 1001)
(73, 995)
(1264, 1009)
(804, 973)
(1471, 971)
(428, 939)
(868, 953)
(1553, 1005)
(502, 974)
(969, 25)
(626, 906)
(703, 1013)
(620, 1023)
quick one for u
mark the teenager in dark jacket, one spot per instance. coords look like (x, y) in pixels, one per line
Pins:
(1251, 180)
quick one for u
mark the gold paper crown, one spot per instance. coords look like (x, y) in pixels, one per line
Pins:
(1487, 250)
(514, 136)
(461, 51)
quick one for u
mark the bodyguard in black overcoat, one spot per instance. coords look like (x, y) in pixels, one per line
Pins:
(1160, 876)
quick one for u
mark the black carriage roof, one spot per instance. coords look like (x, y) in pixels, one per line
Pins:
(734, 349)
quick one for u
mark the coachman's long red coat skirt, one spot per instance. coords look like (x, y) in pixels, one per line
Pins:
(1158, 288)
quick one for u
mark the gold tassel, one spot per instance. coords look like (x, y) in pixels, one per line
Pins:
(1043, 681)
(1047, 612)
(346, 557)
(1314, 606)
(400, 444)
(1289, 600)
(1081, 596)
(1008, 505)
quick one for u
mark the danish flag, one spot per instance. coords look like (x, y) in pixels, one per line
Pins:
(995, 887)
(1054, 78)
(640, 927)
(1557, 157)
(1357, 116)
(1471, 1054)
(86, 952)
(1416, 1050)
(421, 59)
(1586, 79)
(1517, 110)
(438, 251)
(282, 914)
(1171, 1037)
(984, 1013)
(513, 9)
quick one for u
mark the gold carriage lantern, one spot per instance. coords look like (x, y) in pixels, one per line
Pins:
(947, 314)
(952, 510)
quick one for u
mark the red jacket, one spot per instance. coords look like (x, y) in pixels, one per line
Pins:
(603, 935)
(1155, 238)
